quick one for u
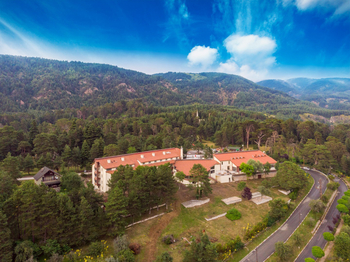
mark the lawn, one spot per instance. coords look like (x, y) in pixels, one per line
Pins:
(191, 221)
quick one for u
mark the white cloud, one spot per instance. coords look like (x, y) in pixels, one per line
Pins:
(251, 55)
(201, 55)
(230, 67)
(338, 7)
(249, 44)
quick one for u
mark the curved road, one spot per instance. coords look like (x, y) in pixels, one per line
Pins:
(262, 252)
(317, 239)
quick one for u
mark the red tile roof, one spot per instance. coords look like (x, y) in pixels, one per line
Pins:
(141, 157)
(237, 158)
(187, 164)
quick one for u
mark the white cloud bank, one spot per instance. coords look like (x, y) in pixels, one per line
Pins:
(338, 7)
(201, 55)
(251, 56)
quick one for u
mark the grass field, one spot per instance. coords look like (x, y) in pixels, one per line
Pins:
(191, 221)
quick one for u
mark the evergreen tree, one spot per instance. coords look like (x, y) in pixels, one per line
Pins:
(201, 179)
(76, 157)
(85, 154)
(115, 209)
(5, 240)
(11, 165)
(28, 163)
(86, 218)
(33, 132)
(67, 155)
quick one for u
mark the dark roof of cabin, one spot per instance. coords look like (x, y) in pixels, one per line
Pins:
(42, 172)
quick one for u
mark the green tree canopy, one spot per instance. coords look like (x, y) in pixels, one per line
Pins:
(290, 176)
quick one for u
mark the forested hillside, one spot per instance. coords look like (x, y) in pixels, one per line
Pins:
(28, 84)
(332, 93)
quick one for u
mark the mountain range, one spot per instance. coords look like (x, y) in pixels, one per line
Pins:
(332, 93)
(41, 84)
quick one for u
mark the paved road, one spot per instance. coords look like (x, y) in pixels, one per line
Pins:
(318, 239)
(283, 233)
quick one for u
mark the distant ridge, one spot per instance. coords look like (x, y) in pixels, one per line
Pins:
(332, 93)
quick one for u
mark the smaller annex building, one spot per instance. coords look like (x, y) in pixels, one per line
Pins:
(228, 165)
(186, 165)
(48, 177)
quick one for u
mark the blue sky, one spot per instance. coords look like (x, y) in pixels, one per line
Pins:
(257, 39)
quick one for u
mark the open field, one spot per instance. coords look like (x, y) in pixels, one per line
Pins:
(187, 223)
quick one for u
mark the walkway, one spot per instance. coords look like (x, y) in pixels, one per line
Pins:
(282, 234)
(317, 239)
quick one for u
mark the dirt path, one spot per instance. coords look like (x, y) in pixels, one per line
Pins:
(157, 229)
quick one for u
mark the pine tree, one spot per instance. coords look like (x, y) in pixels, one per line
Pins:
(33, 131)
(5, 240)
(67, 155)
(115, 209)
(76, 157)
(86, 218)
(11, 165)
(85, 154)
(28, 163)
(67, 221)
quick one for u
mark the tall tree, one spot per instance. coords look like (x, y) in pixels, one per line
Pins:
(115, 210)
(200, 178)
(5, 240)
(290, 176)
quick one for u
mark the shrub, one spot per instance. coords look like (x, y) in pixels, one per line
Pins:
(346, 219)
(328, 236)
(324, 199)
(333, 185)
(126, 255)
(342, 208)
(283, 251)
(297, 238)
(317, 251)
(342, 201)
(309, 259)
(95, 249)
(136, 248)
(120, 243)
(293, 195)
(331, 177)
(246, 193)
(317, 206)
(55, 258)
(310, 222)
(268, 183)
(233, 214)
(51, 247)
(345, 197)
(270, 221)
(241, 185)
(255, 230)
(346, 229)
(168, 239)
(165, 257)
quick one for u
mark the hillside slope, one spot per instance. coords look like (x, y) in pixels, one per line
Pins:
(332, 93)
(43, 84)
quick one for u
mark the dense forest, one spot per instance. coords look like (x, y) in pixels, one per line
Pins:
(40, 84)
(59, 140)
(63, 115)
